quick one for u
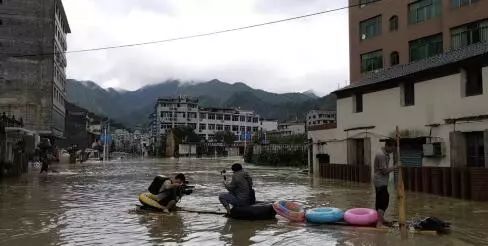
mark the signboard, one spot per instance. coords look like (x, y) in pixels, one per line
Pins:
(246, 136)
(108, 138)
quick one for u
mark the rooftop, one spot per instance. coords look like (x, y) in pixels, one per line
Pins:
(417, 67)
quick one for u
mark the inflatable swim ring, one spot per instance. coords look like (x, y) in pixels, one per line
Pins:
(150, 200)
(293, 211)
(324, 215)
(361, 216)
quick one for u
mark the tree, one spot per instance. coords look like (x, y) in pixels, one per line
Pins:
(186, 134)
(226, 137)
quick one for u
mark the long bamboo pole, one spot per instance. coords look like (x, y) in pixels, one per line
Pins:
(400, 190)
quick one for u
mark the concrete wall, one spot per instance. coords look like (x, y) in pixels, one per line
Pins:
(27, 83)
(435, 101)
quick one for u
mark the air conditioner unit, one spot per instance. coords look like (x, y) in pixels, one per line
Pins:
(433, 149)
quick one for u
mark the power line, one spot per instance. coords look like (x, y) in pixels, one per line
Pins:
(199, 35)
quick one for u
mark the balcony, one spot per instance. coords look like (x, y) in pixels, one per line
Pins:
(466, 36)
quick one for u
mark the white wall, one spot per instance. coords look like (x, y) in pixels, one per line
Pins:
(435, 101)
(269, 125)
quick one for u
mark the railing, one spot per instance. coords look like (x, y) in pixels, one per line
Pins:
(10, 121)
(354, 173)
(464, 183)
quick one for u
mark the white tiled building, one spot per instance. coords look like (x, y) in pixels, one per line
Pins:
(288, 129)
(440, 105)
(185, 112)
(320, 117)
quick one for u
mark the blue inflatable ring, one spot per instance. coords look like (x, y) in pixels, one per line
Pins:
(324, 215)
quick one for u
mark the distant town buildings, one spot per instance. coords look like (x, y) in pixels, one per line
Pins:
(288, 129)
(387, 33)
(185, 112)
(320, 117)
(269, 125)
(32, 63)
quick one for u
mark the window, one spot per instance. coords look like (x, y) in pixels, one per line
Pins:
(473, 80)
(461, 3)
(423, 10)
(363, 3)
(203, 116)
(211, 116)
(475, 149)
(370, 28)
(235, 118)
(248, 129)
(249, 119)
(469, 34)
(220, 117)
(394, 58)
(358, 103)
(254, 129)
(371, 61)
(227, 117)
(242, 128)
(211, 127)
(227, 127)
(220, 127)
(162, 114)
(255, 120)
(235, 128)
(393, 23)
(425, 47)
(408, 94)
(203, 127)
(243, 118)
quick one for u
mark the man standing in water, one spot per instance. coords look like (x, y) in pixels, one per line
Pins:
(382, 172)
(240, 190)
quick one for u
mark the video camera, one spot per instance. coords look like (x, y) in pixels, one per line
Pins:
(187, 189)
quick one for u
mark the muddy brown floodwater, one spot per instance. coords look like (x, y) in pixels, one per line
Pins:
(94, 203)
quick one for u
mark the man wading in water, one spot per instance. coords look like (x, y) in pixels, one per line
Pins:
(382, 172)
(240, 190)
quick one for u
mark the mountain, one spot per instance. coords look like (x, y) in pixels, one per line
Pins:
(134, 107)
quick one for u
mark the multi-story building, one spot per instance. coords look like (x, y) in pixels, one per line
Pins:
(32, 63)
(239, 122)
(185, 112)
(385, 33)
(288, 129)
(176, 112)
(320, 117)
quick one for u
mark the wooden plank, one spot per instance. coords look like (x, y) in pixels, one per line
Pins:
(402, 217)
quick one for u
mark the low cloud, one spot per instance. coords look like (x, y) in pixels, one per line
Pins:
(294, 56)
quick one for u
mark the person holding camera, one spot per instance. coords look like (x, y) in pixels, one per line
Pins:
(240, 189)
(171, 191)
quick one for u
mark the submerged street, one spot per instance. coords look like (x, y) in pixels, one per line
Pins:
(95, 203)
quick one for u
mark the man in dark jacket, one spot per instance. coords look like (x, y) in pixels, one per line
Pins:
(240, 189)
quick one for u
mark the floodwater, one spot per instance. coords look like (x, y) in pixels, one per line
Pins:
(94, 204)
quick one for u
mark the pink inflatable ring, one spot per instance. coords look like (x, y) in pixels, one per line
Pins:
(361, 216)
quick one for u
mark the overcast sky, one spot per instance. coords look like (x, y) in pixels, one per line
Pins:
(296, 56)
